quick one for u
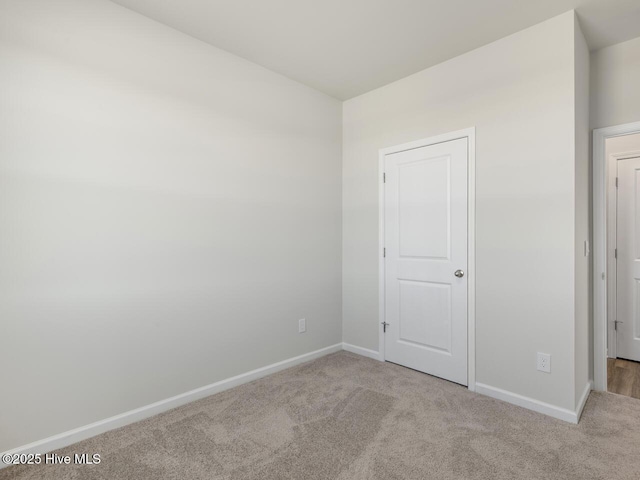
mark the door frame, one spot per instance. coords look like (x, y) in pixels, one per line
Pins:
(470, 135)
(599, 162)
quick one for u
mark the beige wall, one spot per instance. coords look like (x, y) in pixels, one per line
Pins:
(168, 211)
(615, 76)
(519, 93)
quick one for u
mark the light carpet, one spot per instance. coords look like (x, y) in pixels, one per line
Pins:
(348, 417)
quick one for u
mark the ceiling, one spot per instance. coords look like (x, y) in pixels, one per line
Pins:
(348, 47)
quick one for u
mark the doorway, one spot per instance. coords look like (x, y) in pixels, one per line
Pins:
(427, 256)
(617, 259)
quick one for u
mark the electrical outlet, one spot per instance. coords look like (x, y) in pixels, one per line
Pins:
(544, 362)
(302, 325)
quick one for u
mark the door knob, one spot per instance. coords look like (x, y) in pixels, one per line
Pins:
(459, 273)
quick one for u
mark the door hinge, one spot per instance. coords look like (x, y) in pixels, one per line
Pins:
(616, 182)
(384, 253)
(615, 253)
(384, 177)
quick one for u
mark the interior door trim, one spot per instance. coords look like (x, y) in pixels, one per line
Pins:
(470, 135)
(600, 270)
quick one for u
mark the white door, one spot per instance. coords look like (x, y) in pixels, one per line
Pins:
(628, 265)
(426, 247)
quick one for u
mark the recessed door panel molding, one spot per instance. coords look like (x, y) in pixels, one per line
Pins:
(425, 314)
(424, 210)
(426, 263)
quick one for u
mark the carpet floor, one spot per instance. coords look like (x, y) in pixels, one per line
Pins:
(348, 417)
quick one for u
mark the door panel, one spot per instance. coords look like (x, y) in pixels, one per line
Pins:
(424, 208)
(628, 262)
(425, 314)
(426, 242)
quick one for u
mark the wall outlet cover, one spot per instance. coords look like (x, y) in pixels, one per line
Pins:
(544, 362)
(302, 325)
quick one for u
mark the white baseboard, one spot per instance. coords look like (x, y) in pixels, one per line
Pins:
(78, 434)
(583, 400)
(73, 436)
(535, 405)
(365, 352)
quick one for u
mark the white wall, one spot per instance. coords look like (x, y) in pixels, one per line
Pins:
(583, 327)
(168, 213)
(615, 76)
(519, 93)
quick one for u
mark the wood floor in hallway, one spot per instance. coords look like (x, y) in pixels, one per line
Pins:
(623, 377)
